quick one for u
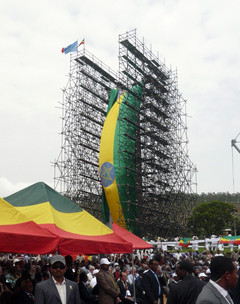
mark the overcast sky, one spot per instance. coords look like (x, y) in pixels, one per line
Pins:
(200, 38)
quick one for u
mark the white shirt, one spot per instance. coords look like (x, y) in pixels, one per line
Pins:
(93, 282)
(130, 278)
(62, 290)
(222, 291)
(177, 255)
(90, 276)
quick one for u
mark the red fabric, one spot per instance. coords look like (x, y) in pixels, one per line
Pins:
(136, 242)
(71, 243)
(27, 237)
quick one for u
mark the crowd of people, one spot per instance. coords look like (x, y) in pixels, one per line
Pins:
(144, 277)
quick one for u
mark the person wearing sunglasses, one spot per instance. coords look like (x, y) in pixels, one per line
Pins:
(57, 289)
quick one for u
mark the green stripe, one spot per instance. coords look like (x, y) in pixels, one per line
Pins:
(112, 99)
(231, 238)
(185, 241)
(125, 155)
(42, 193)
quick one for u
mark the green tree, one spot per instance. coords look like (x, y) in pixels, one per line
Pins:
(211, 218)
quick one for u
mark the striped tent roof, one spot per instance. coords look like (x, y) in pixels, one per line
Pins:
(18, 234)
(78, 231)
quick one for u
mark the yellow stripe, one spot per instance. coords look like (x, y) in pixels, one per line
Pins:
(78, 222)
(9, 215)
(106, 155)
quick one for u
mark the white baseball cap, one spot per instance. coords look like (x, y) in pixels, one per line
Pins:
(104, 261)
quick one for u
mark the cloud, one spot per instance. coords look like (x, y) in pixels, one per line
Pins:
(8, 187)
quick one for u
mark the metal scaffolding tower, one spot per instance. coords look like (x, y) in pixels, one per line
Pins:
(156, 128)
(84, 105)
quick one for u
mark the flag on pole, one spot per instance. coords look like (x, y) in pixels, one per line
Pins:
(71, 48)
(82, 42)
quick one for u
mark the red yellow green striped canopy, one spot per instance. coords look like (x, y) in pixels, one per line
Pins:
(18, 234)
(78, 231)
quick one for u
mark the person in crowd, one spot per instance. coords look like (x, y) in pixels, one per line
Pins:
(126, 269)
(173, 280)
(223, 277)
(108, 290)
(93, 282)
(172, 263)
(162, 261)
(202, 276)
(12, 276)
(126, 290)
(83, 266)
(38, 274)
(138, 285)
(151, 284)
(205, 268)
(177, 255)
(166, 272)
(235, 255)
(57, 289)
(90, 274)
(6, 295)
(85, 294)
(132, 275)
(187, 290)
(45, 275)
(218, 253)
(196, 271)
(69, 274)
(25, 295)
(116, 273)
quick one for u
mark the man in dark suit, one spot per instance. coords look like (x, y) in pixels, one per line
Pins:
(57, 289)
(126, 292)
(139, 287)
(151, 285)
(223, 277)
(187, 290)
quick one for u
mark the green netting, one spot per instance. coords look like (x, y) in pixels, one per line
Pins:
(124, 153)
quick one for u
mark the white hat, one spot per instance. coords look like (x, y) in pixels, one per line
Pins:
(104, 261)
(208, 271)
(202, 274)
(95, 271)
